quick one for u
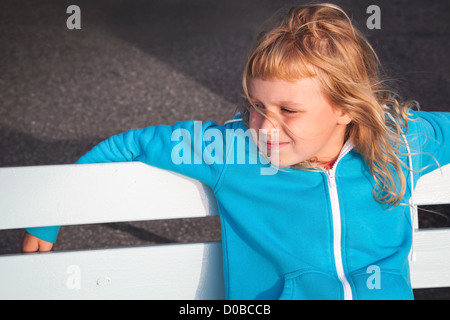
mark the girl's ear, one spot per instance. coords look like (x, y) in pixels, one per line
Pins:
(343, 117)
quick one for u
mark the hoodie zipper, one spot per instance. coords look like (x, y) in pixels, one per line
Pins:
(337, 228)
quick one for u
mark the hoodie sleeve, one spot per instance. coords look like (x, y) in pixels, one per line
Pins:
(431, 140)
(191, 148)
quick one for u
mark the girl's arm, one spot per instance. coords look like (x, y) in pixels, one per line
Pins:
(179, 148)
(431, 140)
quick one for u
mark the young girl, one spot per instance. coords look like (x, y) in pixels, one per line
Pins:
(348, 155)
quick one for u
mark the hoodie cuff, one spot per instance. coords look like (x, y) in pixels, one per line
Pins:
(45, 233)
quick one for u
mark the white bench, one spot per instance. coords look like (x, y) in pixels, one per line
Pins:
(118, 192)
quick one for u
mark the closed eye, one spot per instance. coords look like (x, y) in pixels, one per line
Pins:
(258, 106)
(286, 110)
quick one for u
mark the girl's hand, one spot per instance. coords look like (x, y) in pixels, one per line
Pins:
(31, 243)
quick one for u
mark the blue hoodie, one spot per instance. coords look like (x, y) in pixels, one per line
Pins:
(292, 234)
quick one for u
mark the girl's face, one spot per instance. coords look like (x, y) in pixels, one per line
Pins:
(315, 128)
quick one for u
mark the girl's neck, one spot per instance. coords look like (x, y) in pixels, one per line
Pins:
(327, 165)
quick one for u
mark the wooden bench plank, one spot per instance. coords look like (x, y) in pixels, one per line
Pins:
(433, 188)
(175, 271)
(97, 193)
(432, 266)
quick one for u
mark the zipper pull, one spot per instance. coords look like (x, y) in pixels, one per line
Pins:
(330, 174)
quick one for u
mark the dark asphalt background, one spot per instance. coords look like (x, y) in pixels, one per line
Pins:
(138, 63)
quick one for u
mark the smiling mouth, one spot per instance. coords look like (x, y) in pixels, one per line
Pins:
(276, 145)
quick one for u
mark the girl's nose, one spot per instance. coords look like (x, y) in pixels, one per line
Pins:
(268, 123)
(269, 130)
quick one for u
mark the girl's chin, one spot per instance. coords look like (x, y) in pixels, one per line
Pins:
(284, 162)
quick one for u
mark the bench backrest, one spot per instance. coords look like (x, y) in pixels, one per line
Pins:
(118, 192)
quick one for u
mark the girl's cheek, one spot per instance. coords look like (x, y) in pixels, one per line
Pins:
(254, 125)
(304, 130)
(254, 120)
(298, 130)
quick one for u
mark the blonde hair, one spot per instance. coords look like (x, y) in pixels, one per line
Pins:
(319, 40)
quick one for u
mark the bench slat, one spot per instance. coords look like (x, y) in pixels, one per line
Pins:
(434, 187)
(175, 271)
(432, 266)
(98, 193)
